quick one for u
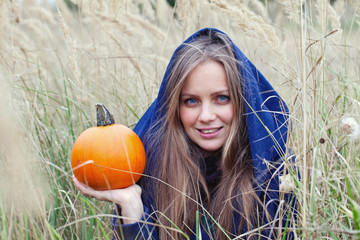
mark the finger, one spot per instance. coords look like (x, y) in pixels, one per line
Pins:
(84, 189)
(89, 192)
(78, 184)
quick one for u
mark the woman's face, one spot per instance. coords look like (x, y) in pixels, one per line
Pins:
(206, 110)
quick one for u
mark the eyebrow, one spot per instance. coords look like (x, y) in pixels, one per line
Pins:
(223, 91)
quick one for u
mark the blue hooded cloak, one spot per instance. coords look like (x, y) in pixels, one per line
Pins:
(268, 125)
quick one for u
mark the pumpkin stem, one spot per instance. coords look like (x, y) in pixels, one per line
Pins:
(104, 117)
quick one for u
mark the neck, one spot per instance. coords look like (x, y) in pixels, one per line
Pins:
(199, 152)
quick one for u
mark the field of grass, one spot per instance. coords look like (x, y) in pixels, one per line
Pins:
(58, 61)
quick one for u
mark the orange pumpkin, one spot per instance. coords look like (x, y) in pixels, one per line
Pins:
(109, 156)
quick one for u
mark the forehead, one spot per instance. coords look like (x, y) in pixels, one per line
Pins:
(209, 75)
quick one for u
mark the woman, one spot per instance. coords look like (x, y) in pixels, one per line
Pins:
(215, 139)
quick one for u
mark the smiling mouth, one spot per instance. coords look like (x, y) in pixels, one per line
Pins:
(209, 131)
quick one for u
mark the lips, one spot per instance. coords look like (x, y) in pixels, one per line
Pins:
(209, 130)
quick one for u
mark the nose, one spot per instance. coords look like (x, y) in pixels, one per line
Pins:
(207, 113)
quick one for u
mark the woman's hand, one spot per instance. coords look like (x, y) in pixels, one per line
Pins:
(129, 199)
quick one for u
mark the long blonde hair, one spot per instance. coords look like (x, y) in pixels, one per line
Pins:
(178, 194)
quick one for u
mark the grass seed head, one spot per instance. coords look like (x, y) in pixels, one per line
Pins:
(287, 183)
(350, 127)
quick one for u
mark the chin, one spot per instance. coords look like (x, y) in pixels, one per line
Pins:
(208, 148)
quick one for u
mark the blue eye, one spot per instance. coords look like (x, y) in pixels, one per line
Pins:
(223, 98)
(191, 101)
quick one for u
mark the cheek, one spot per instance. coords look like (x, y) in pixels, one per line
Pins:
(227, 115)
(187, 116)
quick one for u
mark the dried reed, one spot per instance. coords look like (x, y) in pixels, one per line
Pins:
(252, 25)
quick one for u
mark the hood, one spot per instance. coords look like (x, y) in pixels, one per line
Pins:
(266, 113)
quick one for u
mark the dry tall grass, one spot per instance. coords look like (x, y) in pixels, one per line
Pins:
(57, 62)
